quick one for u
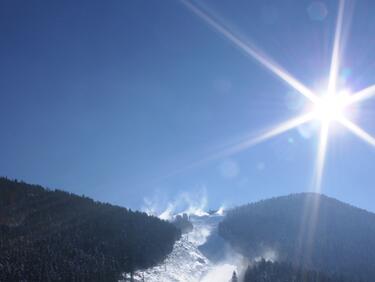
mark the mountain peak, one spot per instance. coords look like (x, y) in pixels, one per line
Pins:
(308, 229)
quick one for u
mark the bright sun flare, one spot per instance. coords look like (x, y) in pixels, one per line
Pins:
(327, 108)
(331, 107)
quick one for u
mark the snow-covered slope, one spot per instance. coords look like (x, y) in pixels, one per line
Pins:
(186, 263)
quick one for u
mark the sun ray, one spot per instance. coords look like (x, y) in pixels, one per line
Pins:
(358, 131)
(364, 94)
(320, 163)
(229, 150)
(281, 128)
(326, 112)
(335, 61)
(312, 203)
(252, 51)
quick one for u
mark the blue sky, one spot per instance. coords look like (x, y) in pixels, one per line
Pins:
(116, 99)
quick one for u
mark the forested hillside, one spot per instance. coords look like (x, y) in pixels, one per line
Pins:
(309, 230)
(53, 235)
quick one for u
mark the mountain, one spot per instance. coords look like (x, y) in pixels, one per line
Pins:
(309, 230)
(53, 235)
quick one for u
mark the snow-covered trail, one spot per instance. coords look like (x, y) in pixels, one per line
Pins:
(186, 263)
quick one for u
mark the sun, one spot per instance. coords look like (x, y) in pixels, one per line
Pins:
(331, 107)
(334, 105)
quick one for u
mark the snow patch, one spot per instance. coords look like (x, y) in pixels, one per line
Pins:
(220, 273)
(184, 264)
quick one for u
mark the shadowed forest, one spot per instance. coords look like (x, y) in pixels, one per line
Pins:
(51, 235)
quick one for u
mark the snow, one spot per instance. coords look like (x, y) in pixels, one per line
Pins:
(186, 263)
(220, 273)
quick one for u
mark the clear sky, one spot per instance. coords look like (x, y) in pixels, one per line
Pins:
(117, 99)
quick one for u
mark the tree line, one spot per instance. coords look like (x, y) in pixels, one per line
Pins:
(52, 235)
(267, 271)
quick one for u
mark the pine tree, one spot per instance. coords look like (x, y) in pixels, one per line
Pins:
(234, 277)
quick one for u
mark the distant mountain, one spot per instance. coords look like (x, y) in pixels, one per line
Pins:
(56, 236)
(309, 230)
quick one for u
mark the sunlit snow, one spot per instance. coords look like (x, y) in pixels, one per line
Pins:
(186, 263)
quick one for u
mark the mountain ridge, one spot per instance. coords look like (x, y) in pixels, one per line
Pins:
(307, 229)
